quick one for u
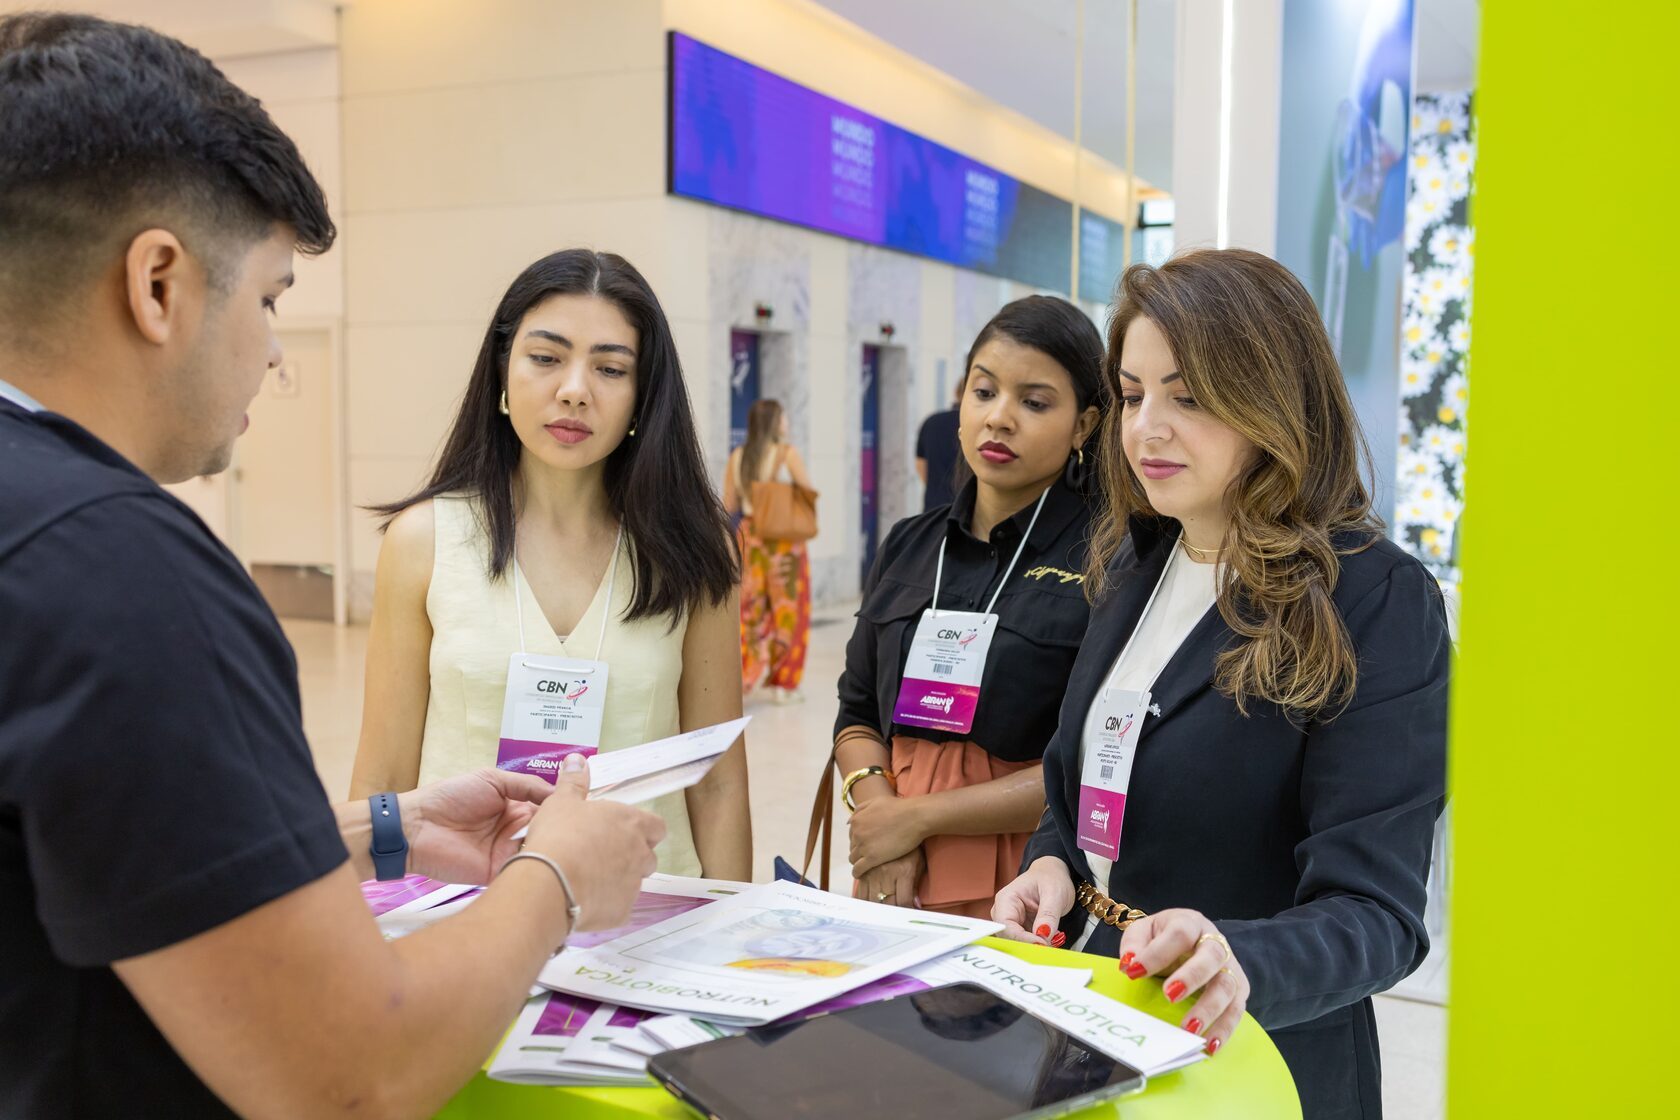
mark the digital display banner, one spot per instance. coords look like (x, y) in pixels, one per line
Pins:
(747, 139)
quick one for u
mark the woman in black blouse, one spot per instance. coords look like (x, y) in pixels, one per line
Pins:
(1284, 788)
(946, 782)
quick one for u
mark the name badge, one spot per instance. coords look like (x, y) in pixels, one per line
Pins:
(1109, 749)
(553, 707)
(941, 685)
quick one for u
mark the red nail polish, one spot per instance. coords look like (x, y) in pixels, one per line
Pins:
(1043, 929)
(1212, 1047)
(1127, 959)
(1136, 971)
(1059, 940)
(1194, 1026)
(1174, 991)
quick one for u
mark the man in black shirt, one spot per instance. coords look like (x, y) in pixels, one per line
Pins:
(182, 932)
(936, 455)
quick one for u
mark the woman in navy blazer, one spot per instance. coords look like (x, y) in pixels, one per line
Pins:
(1276, 829)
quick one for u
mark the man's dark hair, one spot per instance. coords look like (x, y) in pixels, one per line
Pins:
(107, 129)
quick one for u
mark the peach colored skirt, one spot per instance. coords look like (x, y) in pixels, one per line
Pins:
(964, 873)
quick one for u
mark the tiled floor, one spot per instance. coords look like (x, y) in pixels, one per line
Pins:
(786, 747)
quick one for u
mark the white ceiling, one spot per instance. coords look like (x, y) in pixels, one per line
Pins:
(1017, 53)
(1020, 54)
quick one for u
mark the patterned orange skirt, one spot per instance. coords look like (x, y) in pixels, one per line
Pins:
(775, 610)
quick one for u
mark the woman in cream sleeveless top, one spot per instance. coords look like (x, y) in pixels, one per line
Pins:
(569, 495)
(475, 626)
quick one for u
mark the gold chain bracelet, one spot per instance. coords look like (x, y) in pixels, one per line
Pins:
(1116, 914)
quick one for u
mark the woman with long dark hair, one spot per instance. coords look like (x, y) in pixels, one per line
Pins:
(775, 574)
(971, 618)
(565, 582)
(1243, 788)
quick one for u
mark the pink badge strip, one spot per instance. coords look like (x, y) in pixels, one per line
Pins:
(530, 756)
(943, 707)
(1100, 811)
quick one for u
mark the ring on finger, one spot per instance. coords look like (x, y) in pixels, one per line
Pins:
(882, 896)
(1219, 937)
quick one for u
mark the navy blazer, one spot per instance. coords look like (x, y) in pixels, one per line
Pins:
(1308, 845)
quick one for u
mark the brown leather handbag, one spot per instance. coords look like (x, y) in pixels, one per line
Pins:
(783, 511)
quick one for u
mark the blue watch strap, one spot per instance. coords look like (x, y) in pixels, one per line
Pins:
(389, 847)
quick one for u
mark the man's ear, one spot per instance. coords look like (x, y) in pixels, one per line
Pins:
(158, 277)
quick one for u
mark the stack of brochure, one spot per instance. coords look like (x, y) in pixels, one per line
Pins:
(762, 955)
(700, 959)
(571, 1040)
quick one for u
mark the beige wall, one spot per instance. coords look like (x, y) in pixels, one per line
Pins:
(477, 138)
(300, 90)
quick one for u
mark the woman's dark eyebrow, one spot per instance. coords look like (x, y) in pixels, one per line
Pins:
(1167, 380)
(1029, 385)
(598, 348)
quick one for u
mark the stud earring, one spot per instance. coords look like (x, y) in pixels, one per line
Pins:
(632, 429)
(503, 406)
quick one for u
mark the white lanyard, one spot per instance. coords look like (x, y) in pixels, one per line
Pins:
(1148, 604)
(940, 685)
(606, 614)
(939, 569)
(1108, 746)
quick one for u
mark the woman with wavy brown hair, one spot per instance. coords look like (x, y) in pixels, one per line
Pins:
(1243, 787)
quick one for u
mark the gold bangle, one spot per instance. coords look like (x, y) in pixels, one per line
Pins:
(857, 776)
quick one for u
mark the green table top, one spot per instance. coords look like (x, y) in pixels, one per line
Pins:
(1247, 1079)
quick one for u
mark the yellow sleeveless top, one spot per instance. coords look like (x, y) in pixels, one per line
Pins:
(475, 629)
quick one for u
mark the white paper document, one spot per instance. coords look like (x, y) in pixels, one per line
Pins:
(1137, 1038)
(637, 774)
(1058, 996)
(975, 964)
(642, 773)
(762, 955)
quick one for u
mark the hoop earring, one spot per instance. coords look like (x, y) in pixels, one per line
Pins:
(1074, 473)
(503, 406)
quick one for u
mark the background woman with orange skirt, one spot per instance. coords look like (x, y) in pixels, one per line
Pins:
(775, 574)
(971, 619)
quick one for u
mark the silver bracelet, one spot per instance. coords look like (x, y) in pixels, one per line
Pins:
(572, 907)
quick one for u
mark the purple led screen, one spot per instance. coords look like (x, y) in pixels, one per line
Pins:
(747, 139)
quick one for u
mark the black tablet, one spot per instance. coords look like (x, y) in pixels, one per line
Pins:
(957, 1051)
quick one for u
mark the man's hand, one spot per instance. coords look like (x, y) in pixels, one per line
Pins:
(460, 830)
(605, 849)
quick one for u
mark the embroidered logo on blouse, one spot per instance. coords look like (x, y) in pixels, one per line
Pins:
(1047, 571)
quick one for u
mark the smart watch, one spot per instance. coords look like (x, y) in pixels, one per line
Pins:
(389, 847)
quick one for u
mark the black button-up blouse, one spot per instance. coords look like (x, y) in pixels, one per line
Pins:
(1041, 619)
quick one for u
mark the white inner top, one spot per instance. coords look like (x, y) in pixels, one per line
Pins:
(1187, 592)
